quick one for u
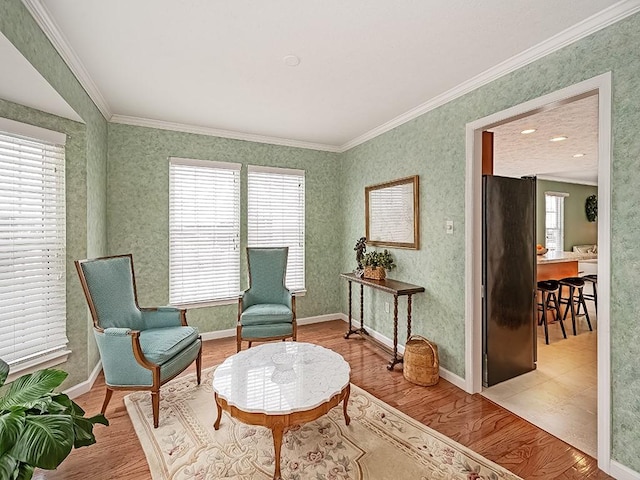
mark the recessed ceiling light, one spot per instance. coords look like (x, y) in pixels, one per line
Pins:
(528, 131)
(291, 60)
(559, 138)
(578, 155)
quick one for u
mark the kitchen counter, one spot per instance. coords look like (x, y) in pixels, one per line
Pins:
(560, 257)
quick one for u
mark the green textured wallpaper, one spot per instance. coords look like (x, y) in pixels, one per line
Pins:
(121, 205)
(138, 212)
(577, 229)
(433, 146)
(86, 173)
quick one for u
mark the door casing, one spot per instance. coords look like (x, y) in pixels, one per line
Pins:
(473, 242)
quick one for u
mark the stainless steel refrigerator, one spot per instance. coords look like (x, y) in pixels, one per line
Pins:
(509, 277)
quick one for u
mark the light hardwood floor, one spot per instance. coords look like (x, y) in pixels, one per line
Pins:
(471, 420)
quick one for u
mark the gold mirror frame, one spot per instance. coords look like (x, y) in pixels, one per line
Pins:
(400, 199)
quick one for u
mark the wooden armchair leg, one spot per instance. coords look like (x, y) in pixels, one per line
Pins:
(199, 365)
(155, 404)
(107, 398)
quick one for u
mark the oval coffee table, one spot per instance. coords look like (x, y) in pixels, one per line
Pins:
(281, 385)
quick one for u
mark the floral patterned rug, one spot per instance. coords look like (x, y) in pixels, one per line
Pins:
(380, 442)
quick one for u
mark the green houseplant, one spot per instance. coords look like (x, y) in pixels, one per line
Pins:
(377, 263)
(38, 428)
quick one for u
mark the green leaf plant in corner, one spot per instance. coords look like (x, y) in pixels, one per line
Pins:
(38, 428)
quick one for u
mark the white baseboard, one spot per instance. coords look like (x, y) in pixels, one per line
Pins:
(319, 318)
(85, 386)
(444, 373)
(621, 472)
(231, 332)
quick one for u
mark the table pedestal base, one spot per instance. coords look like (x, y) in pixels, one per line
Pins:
(278, 424)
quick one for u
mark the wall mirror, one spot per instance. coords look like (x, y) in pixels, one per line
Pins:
(391, 213)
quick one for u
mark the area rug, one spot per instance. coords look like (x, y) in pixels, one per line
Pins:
(380, 442)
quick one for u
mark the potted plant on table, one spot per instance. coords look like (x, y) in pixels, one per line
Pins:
(376, 264)
(38, 428)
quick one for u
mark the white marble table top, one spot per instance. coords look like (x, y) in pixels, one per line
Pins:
(280, 378)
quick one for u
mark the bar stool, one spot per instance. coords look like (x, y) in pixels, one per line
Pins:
(573, 284)
(548, 289)
(593, 279)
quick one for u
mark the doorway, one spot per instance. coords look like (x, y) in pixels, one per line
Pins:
(560, 394)
(473, 225)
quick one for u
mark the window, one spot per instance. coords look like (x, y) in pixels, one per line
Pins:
(554, 220)
(204, 231)
(276, 216)
(32, 246)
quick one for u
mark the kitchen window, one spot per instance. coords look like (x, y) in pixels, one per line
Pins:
(554, 220)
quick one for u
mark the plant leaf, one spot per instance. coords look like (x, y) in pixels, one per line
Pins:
(4, 371)
(27, 390)
(45, 441)
(8, 466)
(83, 429)
(72, 408)
(26, 472)
(99, 418)
(11, 425)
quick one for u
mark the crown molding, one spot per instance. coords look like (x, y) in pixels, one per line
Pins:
(590, 25)
(216, 132)
(43, 18)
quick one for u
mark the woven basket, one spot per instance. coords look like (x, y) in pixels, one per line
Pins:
(375, 273)
(421, 364)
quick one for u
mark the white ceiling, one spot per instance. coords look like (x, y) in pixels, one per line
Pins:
(216, 67)
(517, 154)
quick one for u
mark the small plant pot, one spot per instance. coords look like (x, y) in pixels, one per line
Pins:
(375, 273)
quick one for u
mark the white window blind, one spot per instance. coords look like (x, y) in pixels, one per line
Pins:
(554, 220)
(276, 216)
(204, 231)
(32, 246)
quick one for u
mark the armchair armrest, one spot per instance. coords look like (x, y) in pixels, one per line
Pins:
(122, 356)
(163, 317)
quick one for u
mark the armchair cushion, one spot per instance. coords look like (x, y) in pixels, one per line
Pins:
(265, 314)
(162, 344)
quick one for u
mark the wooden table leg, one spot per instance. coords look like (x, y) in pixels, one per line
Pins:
(395, 358)
(277, 431)
(408, 317)
(216, 425)
(345, 401)
(350, 331)
(360, 330)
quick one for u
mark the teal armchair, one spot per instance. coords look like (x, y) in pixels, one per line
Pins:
(140, 348)
(267, 309)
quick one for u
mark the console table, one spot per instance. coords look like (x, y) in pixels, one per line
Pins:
(397, 289)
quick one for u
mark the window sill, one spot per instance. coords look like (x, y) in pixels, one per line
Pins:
(212, 303)
(225, 301)
(40, 363)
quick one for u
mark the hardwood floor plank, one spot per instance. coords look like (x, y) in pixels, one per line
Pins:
(471, 420)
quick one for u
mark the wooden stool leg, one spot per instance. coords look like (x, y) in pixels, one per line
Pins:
(544, 317)
(558, 317)
(584, 306)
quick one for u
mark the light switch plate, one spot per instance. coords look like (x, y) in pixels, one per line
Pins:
(449, 226)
